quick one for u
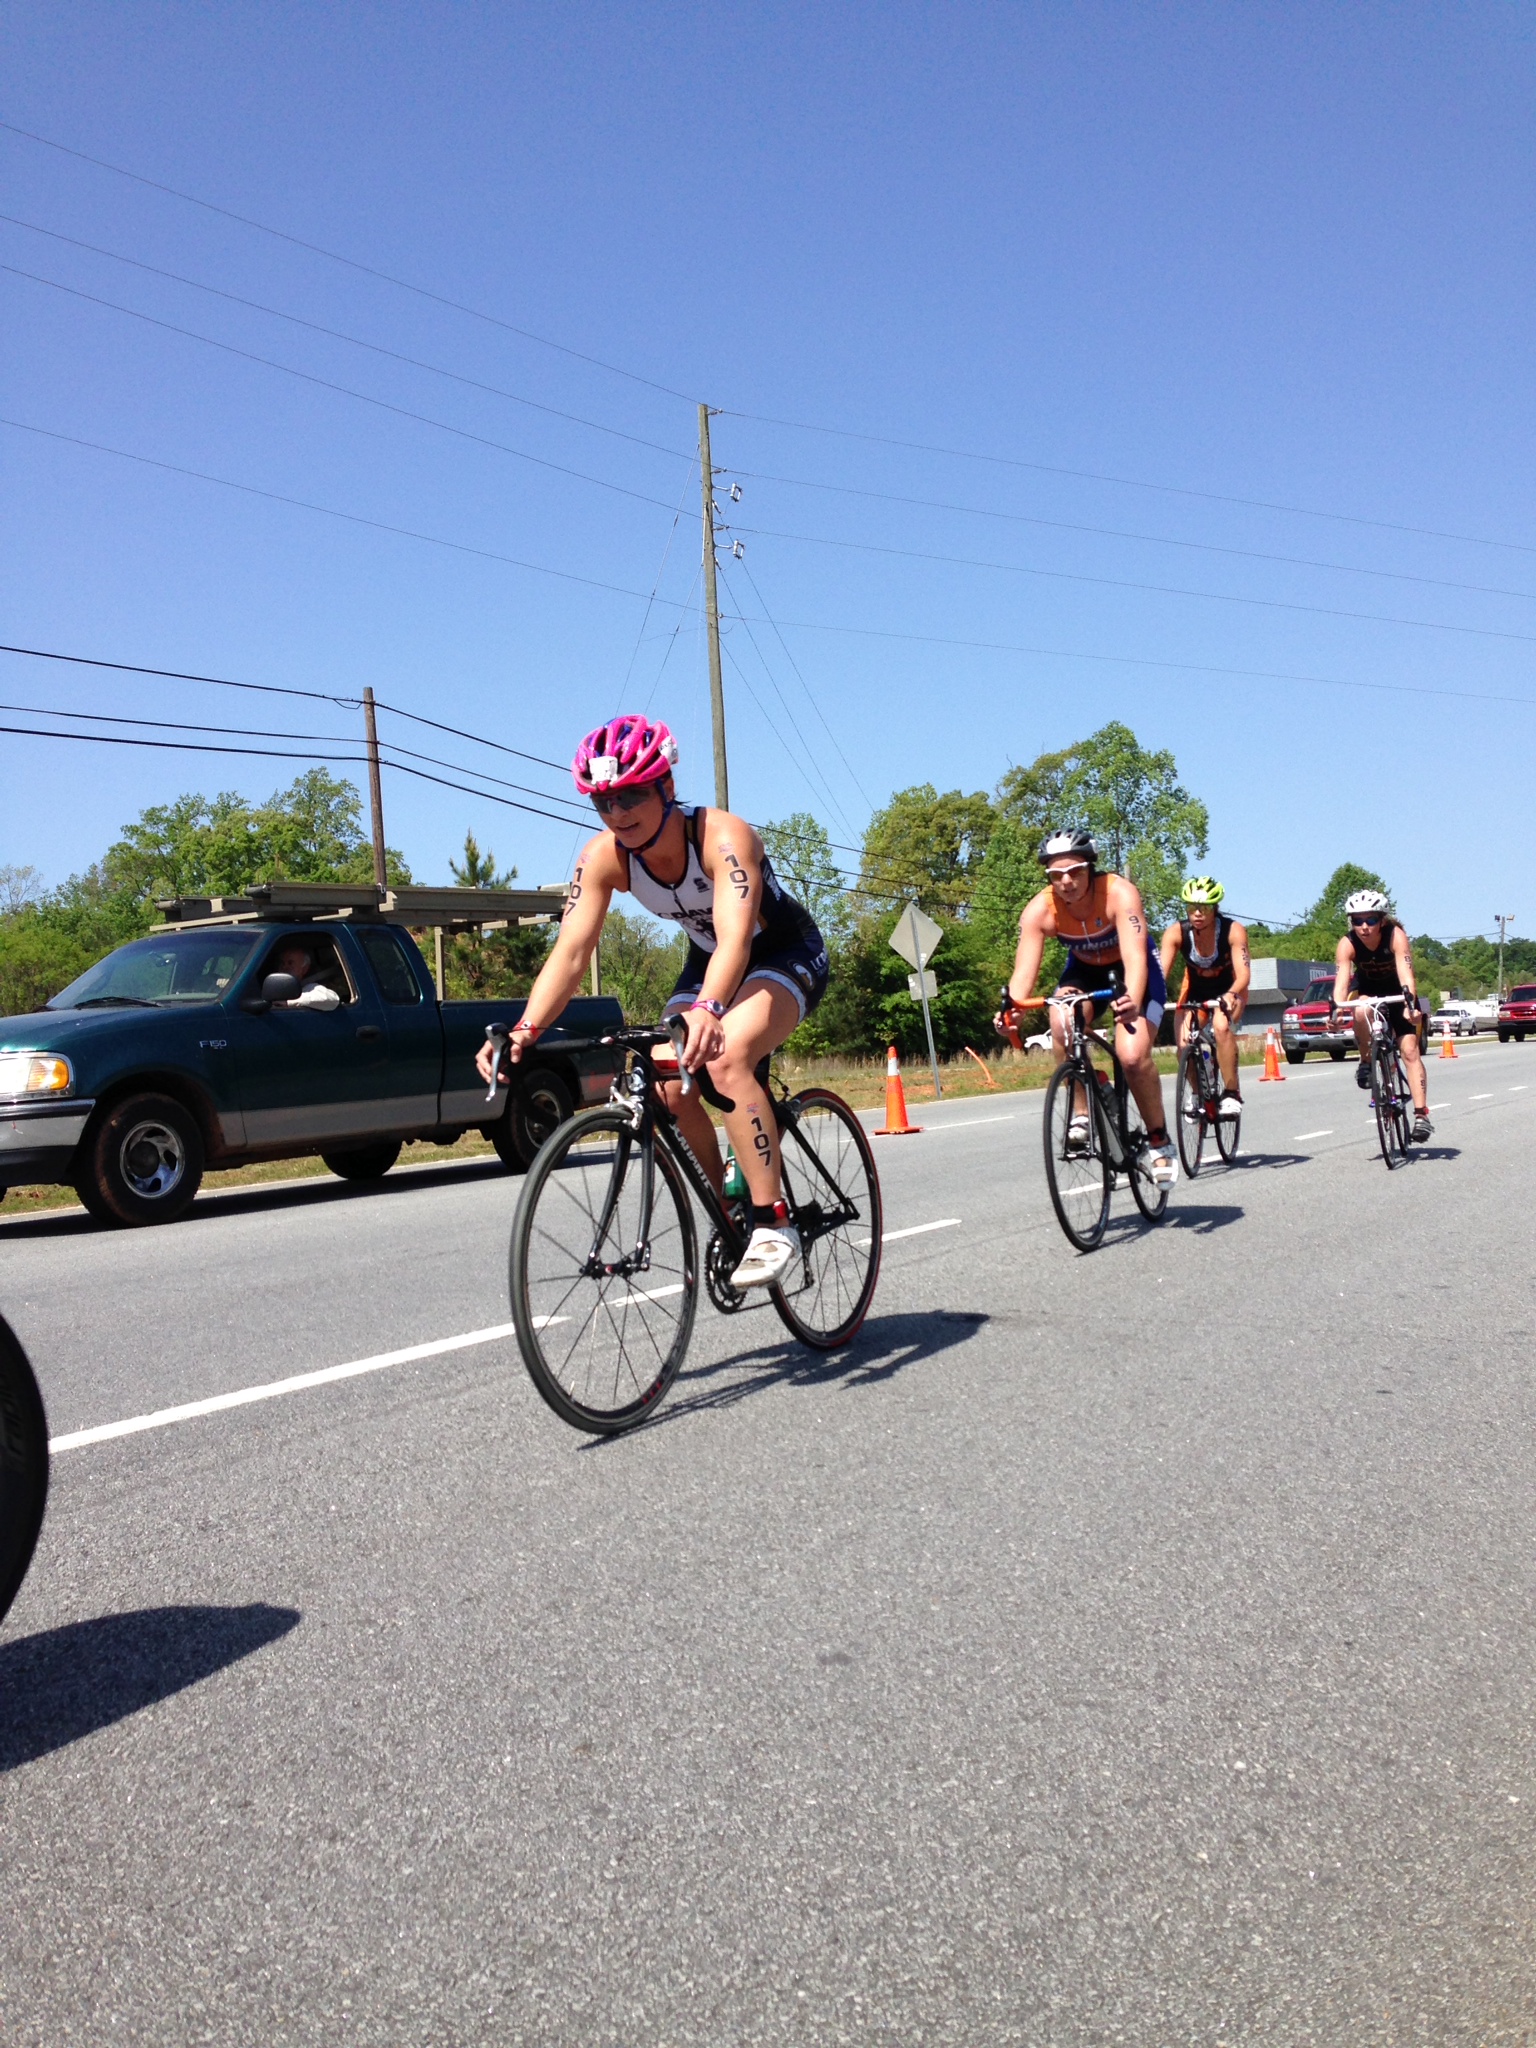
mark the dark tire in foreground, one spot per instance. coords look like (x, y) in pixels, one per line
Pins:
(1294, 1055)
(23, 1465)
(142, 1162)
(1079, 1181)
(1189, 1113)
(602, 1347)
(363, 1162)
(829, 1166)
(540, 1104)
(1337, 1052)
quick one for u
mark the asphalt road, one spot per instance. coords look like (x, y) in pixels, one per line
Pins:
(1125, 1649)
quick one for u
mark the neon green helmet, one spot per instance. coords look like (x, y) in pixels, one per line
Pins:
(1202, 889)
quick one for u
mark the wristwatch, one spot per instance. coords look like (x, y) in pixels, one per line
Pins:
(716, 1010)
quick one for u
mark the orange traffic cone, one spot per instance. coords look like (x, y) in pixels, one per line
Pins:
(1271, 1057)
(1447, 1045)
(896, 1125)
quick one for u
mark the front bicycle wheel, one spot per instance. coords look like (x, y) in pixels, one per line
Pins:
(1383, 1104)
(1076, 1168)
(23, 1465)
(603, 1306)
(1402, 1109)
(831, 1185)
(1149, 1195)
(1189, 1112)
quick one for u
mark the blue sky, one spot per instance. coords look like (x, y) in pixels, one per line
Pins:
(1167, 266)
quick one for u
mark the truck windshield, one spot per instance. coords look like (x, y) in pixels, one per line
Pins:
(181, 967)
(1318, 992)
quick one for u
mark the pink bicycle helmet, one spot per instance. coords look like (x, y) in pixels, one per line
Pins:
(626, 751)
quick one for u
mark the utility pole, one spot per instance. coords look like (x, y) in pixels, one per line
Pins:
(712, 615)
(922, 989)
(1501, 922)
(375, 789)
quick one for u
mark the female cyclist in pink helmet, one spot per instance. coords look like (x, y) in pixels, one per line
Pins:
(756, 962)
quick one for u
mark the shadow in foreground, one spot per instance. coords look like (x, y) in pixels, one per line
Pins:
(68, 1682)
(884, 1347)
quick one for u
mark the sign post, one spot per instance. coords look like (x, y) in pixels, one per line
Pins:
(915, 938)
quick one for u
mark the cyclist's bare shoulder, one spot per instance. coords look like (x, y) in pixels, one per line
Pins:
(728, 842)
(1039, 915)
(1122, 898)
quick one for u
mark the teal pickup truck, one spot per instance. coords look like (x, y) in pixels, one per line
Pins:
(259, 1032)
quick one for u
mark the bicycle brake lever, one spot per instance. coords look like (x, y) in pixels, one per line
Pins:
(677, 1031)
(500, 1036)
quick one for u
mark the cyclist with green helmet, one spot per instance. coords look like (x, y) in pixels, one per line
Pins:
(1214, 949)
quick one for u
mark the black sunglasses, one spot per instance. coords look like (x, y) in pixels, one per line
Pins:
(1374, 918)
(622, 800)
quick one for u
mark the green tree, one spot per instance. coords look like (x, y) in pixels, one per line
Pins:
(218, 846)
(802, 858)
(491, 963)
(926, 845)
(639, 965)
(1318, 930)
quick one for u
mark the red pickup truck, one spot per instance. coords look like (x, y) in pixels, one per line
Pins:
(1308, 1026)
(1517, 1012)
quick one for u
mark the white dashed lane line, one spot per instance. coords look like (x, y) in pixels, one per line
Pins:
(162, 1418)
(1486, 1097)
(916, 1230)
(1301, 1137)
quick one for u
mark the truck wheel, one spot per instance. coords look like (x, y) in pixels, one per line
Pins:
(1295, 1054)
(364, 1162)
(1519, 1038)
(500, 1135)
(537, 1109)
(1336, 1052)
(1503, 1038)
(143, 1163)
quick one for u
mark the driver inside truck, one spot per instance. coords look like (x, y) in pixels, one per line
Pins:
(298, 961)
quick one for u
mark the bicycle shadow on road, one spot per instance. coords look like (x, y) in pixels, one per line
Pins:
(1265, 1159)
(1201, 1217)
(65, 1683)
(884, 1347)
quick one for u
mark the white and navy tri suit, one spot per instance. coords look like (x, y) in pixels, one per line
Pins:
(788, 947)
(1093, 961)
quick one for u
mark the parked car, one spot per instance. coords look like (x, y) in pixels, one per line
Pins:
(190, 1049)
(1517, 1012)
(1308, 1024)
(1459, 1019)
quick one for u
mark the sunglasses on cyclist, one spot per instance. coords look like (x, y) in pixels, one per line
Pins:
(1074, 867)
(1374, 918)
(622, 800)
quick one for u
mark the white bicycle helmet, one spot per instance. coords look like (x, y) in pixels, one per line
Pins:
(1365, 902)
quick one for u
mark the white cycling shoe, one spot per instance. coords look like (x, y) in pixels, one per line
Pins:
(1163, 1163)
(769, 1254)
(1230, 1106)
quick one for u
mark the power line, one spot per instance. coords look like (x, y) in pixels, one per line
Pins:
(403, 412)
(349, 262)
(1120, 583)
(805, 686)
(650, 602)
(760, 419)
(1126, 482)
(435, 540)
(796, 625)
(1123, 533)
(177, 675)
(338, 334)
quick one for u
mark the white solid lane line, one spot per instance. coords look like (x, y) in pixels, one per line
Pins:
(971, 1122)
(917, 1230)
(299, 1383)
(1302, 1136)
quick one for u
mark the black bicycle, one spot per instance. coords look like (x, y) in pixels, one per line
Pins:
(604, 1262)
(1391, 1097)
(23, 1465)
(1197, 1108)
(1094, 1132)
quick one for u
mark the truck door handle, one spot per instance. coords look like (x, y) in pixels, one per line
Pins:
(369, 1031)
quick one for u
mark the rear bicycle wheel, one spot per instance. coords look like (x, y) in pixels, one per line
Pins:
(1150, 1196)
(1079, 1180)
(603, 1317)
(1189, 1112)
(833, 1188)
(23, 1465)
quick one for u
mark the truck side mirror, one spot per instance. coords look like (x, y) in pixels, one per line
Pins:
(275, 988)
